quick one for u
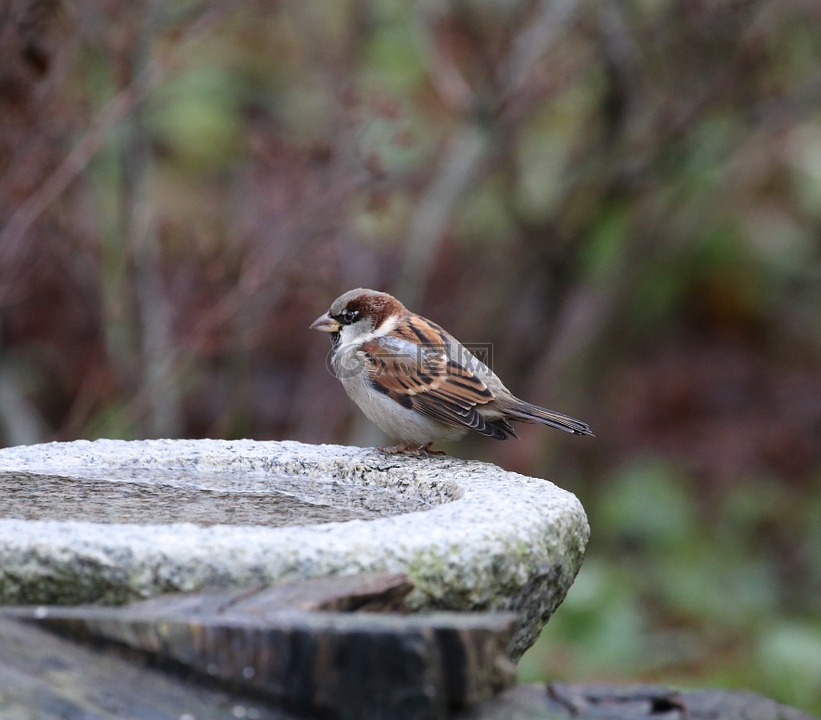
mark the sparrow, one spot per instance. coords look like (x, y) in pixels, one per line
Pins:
(416, 381)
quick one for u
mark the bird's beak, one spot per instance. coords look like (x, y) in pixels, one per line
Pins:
(325, 323)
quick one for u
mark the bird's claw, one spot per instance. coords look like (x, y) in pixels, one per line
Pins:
(411, 449)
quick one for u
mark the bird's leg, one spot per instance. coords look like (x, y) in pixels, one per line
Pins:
(407, 448)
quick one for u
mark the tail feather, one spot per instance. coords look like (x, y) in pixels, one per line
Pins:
(525, 412)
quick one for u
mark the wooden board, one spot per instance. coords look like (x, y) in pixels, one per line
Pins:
(282, 643)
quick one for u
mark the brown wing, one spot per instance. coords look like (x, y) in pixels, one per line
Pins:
(425, 379)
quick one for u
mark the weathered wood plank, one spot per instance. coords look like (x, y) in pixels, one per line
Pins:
(345, 665)
(45, 677)
(333, 664)
(339, 593)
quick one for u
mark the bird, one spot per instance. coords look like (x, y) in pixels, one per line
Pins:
(417, 382)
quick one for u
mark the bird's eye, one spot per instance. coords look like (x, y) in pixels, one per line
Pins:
(348, 316)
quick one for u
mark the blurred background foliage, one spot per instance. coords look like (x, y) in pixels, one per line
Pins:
(623, 197)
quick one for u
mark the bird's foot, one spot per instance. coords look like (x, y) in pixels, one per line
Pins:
(411, 449)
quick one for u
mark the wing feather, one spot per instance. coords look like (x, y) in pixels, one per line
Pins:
(423, 377)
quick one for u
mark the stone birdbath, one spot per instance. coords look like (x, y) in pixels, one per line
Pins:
(109, 521)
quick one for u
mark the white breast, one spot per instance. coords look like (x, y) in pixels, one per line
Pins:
(400, 423)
